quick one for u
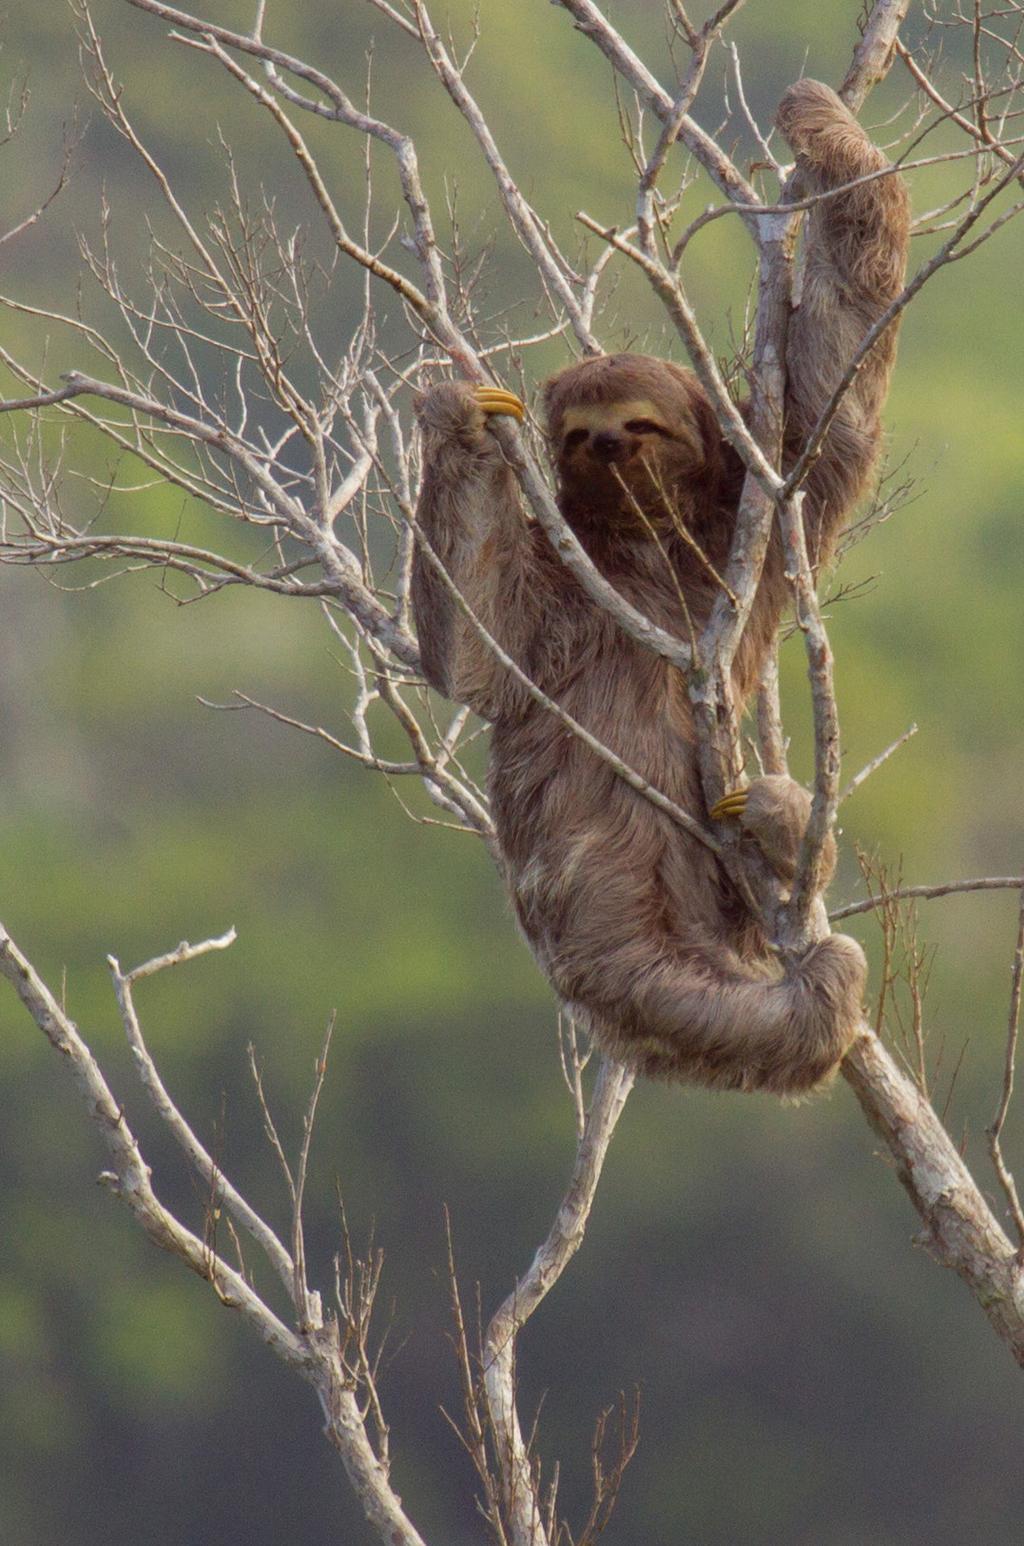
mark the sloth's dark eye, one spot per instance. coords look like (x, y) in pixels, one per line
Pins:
(644, 427)
(574, 438)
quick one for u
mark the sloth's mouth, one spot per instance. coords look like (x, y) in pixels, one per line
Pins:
(613, 450)
(632, 465)
(618, 498)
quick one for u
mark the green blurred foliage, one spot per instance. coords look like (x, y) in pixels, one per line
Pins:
(806, 1376)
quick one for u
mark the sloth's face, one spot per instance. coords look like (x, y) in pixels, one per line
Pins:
(613, 438)
(624, 465)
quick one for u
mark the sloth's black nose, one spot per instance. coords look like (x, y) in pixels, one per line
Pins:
(609, 445)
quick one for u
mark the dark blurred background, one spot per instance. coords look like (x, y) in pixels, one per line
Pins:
(808, 1376)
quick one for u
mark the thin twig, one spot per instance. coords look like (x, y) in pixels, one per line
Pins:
(951, 888)
(875, 763)
(995, 1131)
(220, 1188)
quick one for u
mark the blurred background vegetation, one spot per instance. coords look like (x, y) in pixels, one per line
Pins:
(807, 1376)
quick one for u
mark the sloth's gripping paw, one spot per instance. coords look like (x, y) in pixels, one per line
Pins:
(732, 804)
(454, 412)
(774, 811)
(496, 400)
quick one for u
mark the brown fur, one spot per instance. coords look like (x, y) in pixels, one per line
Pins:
(632, 919)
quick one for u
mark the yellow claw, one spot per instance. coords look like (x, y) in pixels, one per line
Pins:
(732, 804)
(497, 400)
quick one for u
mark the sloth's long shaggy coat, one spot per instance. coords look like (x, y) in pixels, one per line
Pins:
(632, 919)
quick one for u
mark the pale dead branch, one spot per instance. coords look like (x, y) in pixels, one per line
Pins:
(951, 888)
(995, 1131)
(564, 1239)
(313, 1350)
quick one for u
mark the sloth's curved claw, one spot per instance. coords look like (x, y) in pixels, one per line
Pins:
(732, 804)
(497, 400)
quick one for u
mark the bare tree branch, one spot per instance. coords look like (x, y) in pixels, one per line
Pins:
(553, 1256)
(874, 53)
(314, 1352)
(951, 888)
(875, 763)
(995, 1131)
(220, 1188)
(961, 1231)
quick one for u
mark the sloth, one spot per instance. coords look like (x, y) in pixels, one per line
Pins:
(633, 919)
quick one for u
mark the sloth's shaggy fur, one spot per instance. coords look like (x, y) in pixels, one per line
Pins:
(632, 919)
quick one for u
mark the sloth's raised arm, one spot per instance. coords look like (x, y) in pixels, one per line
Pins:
(470, 514)
(855, 250)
